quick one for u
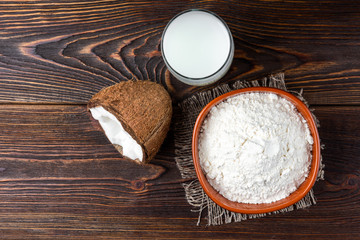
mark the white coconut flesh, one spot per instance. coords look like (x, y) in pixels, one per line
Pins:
(116, 133)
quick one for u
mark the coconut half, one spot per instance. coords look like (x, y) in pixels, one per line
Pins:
(135, 117)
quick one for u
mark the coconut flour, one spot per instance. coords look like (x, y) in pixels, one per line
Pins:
(255, 148)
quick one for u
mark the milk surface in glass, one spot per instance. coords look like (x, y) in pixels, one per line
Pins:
(196, 45)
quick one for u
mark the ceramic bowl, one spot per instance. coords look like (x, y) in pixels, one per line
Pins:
(294, 197)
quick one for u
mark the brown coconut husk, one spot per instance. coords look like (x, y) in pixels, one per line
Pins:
(144, 108)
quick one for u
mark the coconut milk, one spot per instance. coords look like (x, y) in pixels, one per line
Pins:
(197, 47)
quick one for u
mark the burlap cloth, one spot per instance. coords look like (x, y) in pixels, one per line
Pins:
(184, 123)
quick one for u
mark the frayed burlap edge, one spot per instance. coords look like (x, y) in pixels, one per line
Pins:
(186, 117)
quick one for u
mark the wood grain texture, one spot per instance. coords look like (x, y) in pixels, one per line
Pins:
(60, 178)
(64, 52)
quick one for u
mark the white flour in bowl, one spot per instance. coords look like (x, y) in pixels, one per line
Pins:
(255, 148)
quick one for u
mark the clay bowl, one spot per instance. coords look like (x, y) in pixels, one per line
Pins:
(303, 189)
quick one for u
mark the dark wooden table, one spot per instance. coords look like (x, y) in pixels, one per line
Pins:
(60, 178)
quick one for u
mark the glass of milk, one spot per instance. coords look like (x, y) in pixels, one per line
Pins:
(197, 47)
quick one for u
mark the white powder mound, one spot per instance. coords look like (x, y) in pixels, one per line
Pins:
(255, 148)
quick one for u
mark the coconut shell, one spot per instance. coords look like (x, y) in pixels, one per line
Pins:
(144, 108)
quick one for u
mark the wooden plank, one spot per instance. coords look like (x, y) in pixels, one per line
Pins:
(60, 178)
(65, 52)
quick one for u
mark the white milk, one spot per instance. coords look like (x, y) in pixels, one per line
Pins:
(197, 47)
